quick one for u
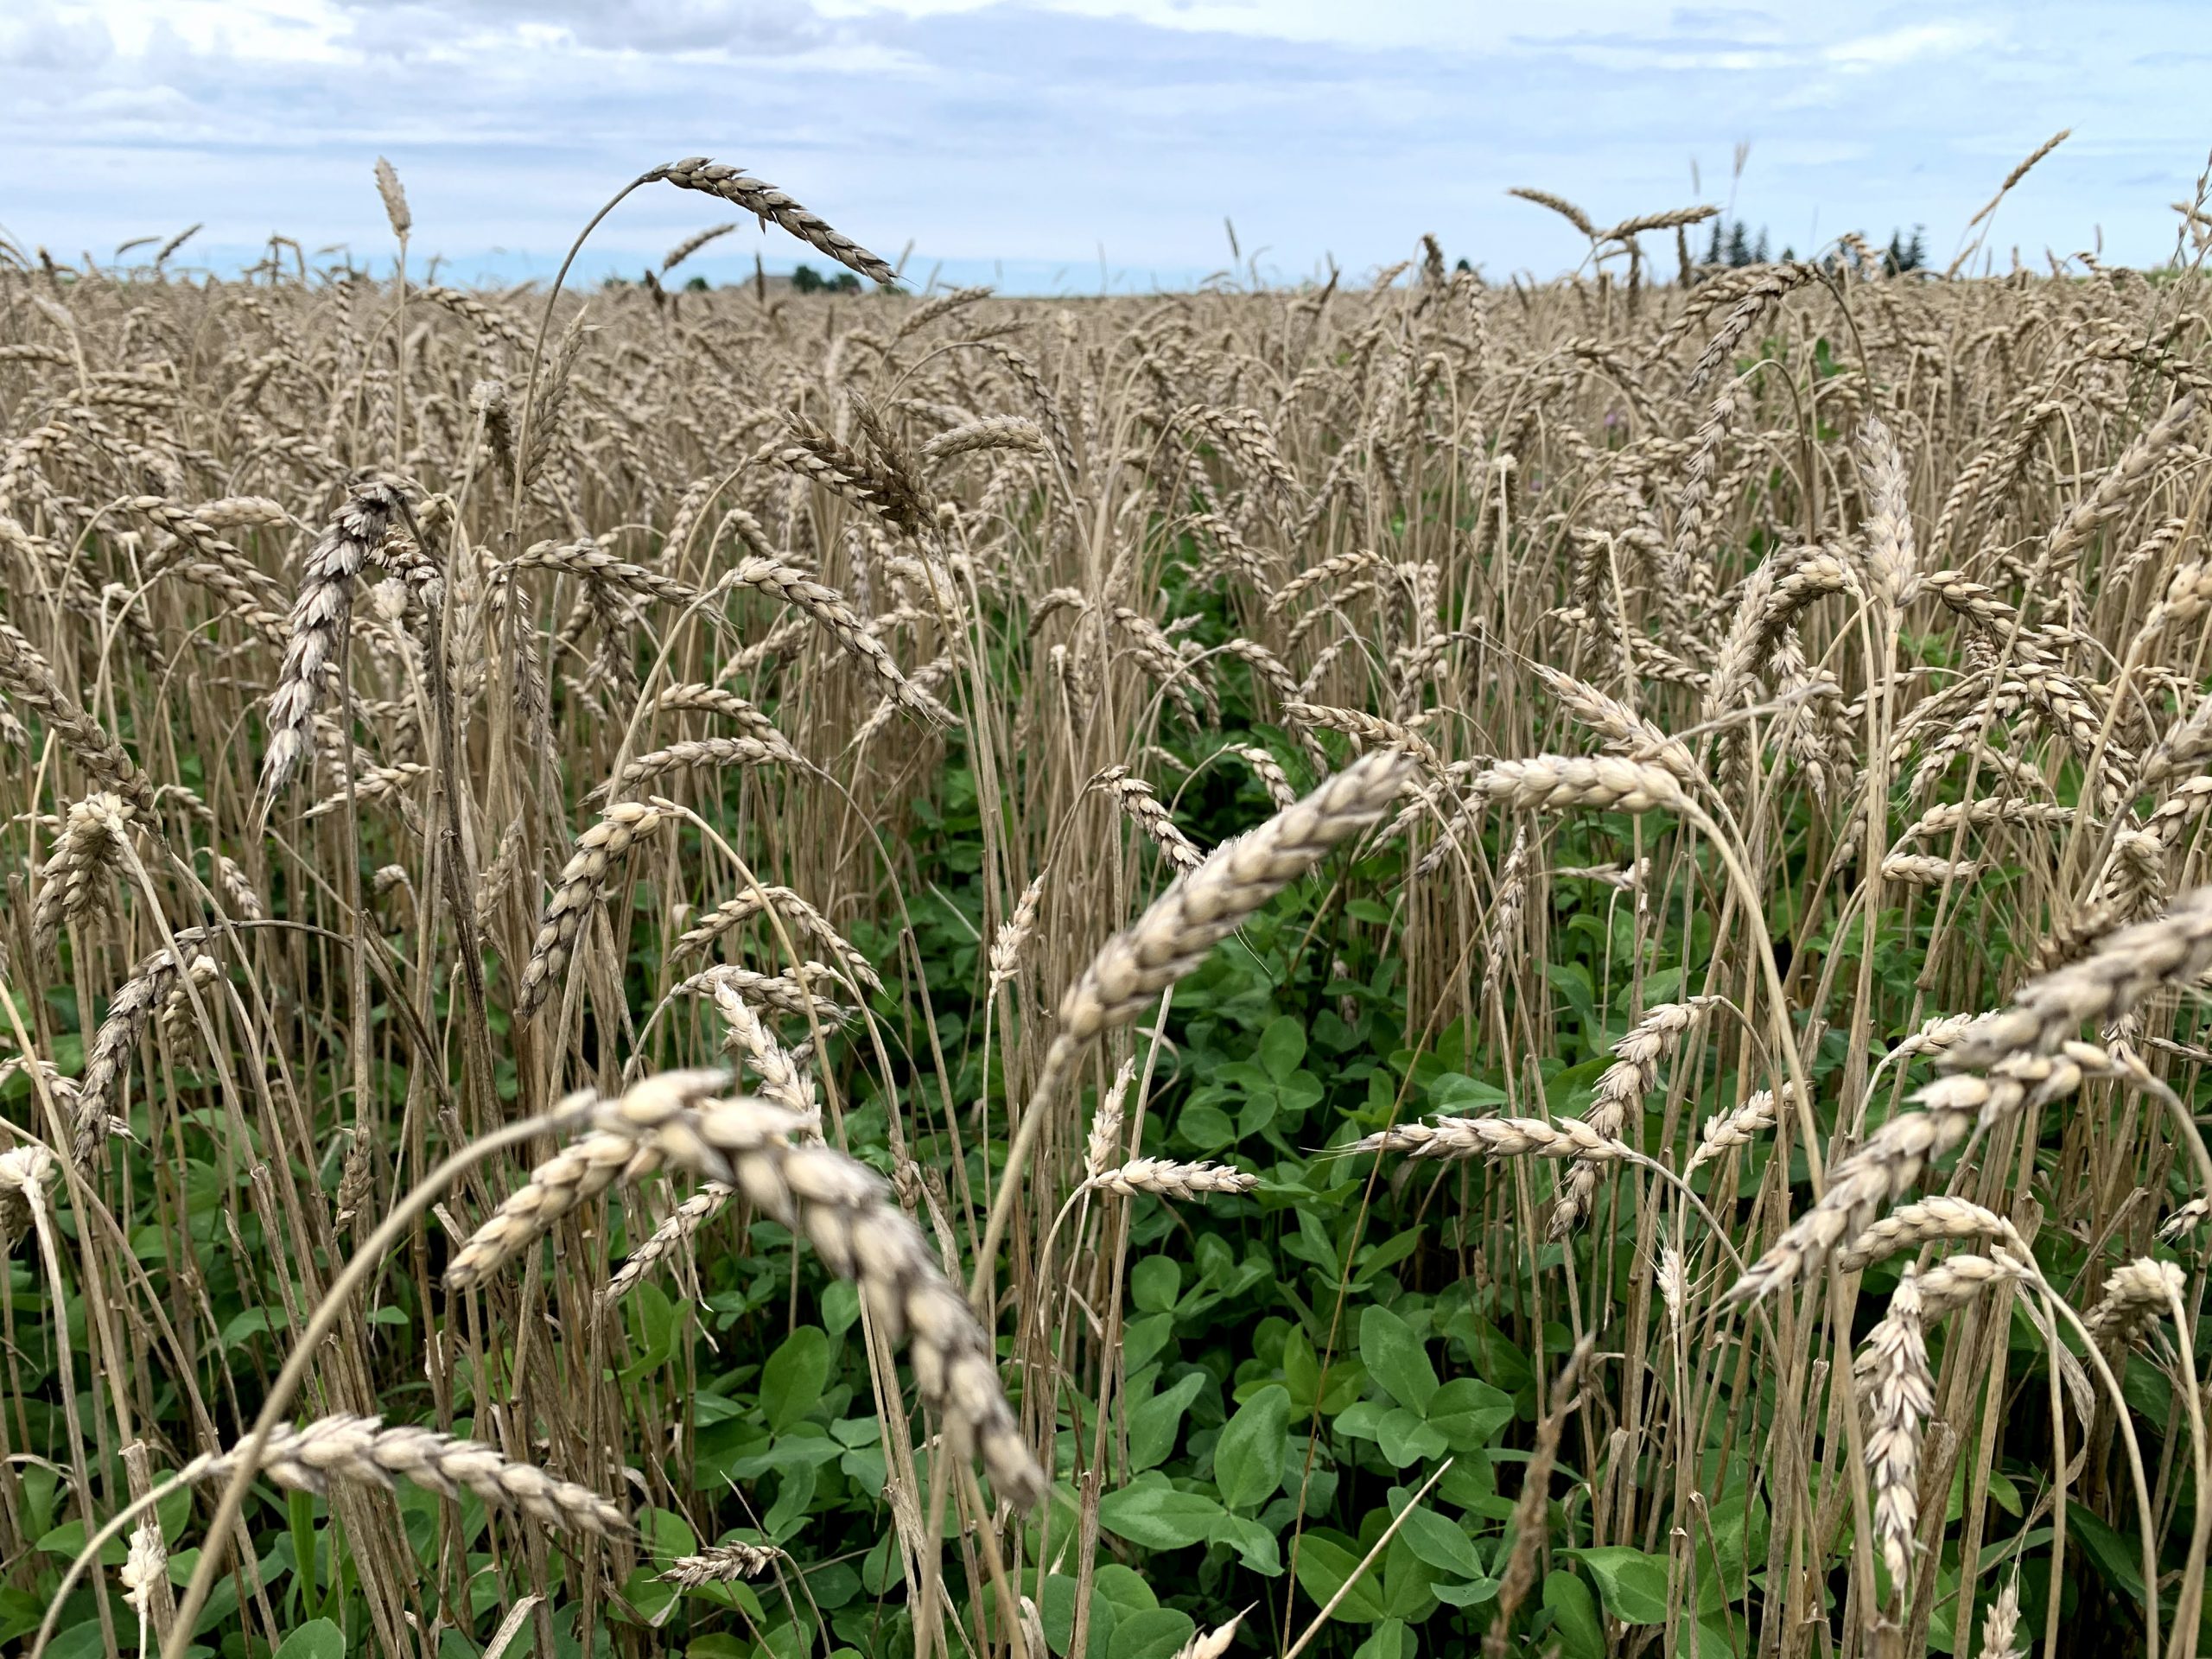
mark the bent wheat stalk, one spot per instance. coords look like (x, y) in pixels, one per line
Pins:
(2020, 1048)
(843, 1208)
(1203, 906)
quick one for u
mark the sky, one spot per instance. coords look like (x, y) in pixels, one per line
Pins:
(1071, 145)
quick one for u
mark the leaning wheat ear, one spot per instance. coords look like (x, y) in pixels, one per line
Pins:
(2136, 1293)
(1203, 906)
(719, 1563)
(134, 1002)
(27, 676)
(363, 1451)
(1621, 1090)
(578, 889)
(841, 1206)
(2031, 1059)
(765, 203)
(1213, 898)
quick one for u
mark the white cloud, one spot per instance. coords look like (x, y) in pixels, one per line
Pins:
(752, 28)
(51, 38)
(1898, 47)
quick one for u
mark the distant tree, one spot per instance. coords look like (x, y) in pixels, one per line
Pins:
(805, 279)
(1906, 255)
(1715, 248)
(1739, 246)
(696, 285)
(845, 282)
(1758, 249)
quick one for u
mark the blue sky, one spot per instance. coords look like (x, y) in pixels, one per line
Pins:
(1058, 144)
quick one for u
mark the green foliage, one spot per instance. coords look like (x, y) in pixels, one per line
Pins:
(807, 280)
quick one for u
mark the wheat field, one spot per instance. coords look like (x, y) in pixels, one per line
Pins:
(1362, 968)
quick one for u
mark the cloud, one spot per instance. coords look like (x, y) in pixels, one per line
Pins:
(744, 27)
(1897, 47)
(50, 37)
(1723, 20)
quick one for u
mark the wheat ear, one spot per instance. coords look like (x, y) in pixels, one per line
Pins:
(135, 1003)
(1622, 1085)
(26, 673)
(1736, 1128)
(73, 883)
(1893, 1370)
(362, 1451)
(1178, 930)
(767, 203)
(793, 909)
(1170, 1180)
(1206, 904)
(578, 889)
(2023, 1048)
(845, 1210)
(689, 755)
(2136, 1293)
(1496, 1137)
(320, 617)
(827, 607)
(2000, 1625)
(720, 1563)
(1141, 804)
(2185, 1221)
(1013, 934)
(1210, 1644)
(1930, 1220)
(683, 1222)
